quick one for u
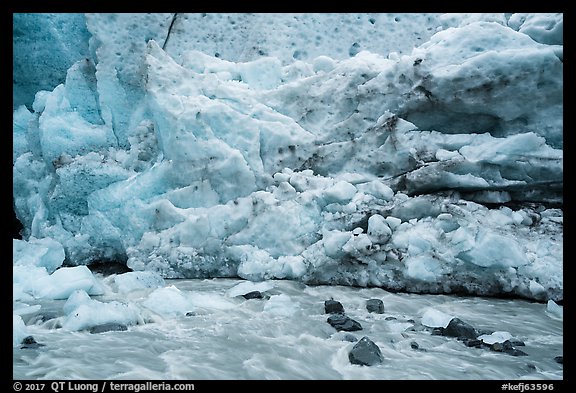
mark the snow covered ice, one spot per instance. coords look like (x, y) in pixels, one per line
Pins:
(272, 147)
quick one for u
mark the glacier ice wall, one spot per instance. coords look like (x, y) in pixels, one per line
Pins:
(424, 155)
(44, 47)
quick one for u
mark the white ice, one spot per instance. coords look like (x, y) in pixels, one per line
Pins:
(63, 282)
(554, 309)
(19, 330)
(90, 312)
(495, 337)
(46, 253)
(168, 301)
(281, 305)
(436, 318)
(248, 286)
(132, 281)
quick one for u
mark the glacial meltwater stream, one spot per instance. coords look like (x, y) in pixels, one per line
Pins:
(285, 335)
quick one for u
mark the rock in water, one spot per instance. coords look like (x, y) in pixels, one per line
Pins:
(473, 343)
(41, 318)
(253, 295)
(515, 352)
(501, 347)
(460, 329)
(517, 343)
(375, 306)
(508, 348)
(333, 307)
(349, 337)
(437, 331)
(342, 322)
(29, 342)
(108, 327)
(365, 353)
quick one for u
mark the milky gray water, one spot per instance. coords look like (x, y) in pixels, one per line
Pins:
(234, 338)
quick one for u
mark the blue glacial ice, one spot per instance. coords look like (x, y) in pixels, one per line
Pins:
(431, 162)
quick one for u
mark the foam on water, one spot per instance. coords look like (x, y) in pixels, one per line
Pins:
(234, 338)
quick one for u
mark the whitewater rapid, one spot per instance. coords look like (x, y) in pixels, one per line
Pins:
(233, 338)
